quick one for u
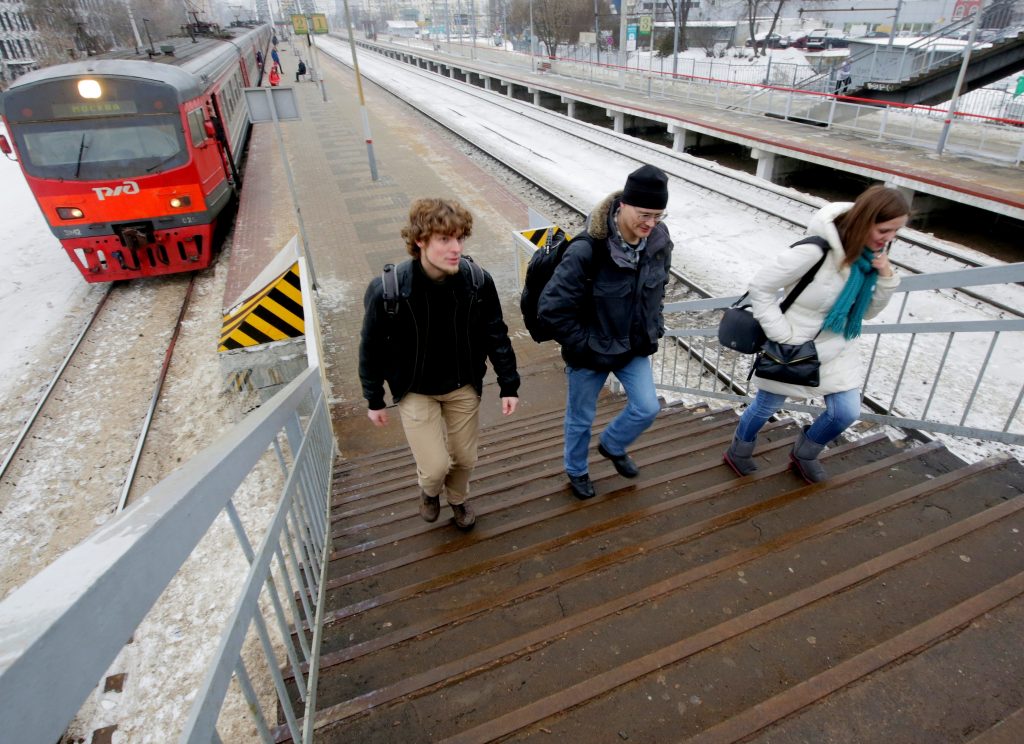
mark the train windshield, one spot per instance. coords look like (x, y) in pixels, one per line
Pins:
(102, 148)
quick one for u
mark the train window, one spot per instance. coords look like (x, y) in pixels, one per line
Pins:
(102, 148)
(196, 128)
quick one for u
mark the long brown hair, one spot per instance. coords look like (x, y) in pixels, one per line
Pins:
(877, 204)
(435, 217)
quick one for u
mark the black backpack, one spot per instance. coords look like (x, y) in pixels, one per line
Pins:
(538, 273)
(389, 278)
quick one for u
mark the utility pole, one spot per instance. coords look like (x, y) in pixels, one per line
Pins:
(675, 37)
(135, 28)
(362, 99)
(895, 20)
(960, 80)
(597, 34)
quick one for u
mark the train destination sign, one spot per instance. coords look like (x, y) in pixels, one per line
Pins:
(94, 108)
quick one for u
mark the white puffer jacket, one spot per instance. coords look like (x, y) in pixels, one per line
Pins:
(840, 359)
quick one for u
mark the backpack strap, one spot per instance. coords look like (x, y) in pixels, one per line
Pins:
(389, 280)
(476, 274)
(809, 276)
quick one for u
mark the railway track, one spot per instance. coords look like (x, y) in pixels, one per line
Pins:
(112, 371)
(913, 252)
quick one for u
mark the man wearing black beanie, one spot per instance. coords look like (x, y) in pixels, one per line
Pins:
(603, 304)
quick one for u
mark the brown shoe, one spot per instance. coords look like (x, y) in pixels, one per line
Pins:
(464, 516)
(430, 506)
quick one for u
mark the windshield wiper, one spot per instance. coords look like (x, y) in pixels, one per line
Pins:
(81, 149)
(165, 160)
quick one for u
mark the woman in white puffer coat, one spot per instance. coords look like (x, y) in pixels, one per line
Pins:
(855, 282)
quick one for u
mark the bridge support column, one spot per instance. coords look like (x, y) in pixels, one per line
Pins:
(682, 138)
(571, 107)
(923, 205)
(765, 164)
(487, 83)
(536, 97)
(618, 119)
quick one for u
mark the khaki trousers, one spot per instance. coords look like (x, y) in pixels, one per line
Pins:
(442, 433)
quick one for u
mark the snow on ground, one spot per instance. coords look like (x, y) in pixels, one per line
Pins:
(41, 293)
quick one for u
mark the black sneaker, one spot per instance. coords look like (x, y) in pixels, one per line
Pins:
(430, 506)
(581, 486)
(464, 516)
(623, 463)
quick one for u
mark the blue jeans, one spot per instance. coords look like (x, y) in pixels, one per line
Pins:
(581, 405)
(841, 410)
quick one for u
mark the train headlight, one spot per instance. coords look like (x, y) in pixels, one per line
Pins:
(89, 88)
(177, 202)
(70, 213)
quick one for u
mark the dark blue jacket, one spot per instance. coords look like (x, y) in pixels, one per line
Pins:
(602, 314)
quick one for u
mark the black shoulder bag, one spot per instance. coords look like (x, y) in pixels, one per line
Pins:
(796, 364)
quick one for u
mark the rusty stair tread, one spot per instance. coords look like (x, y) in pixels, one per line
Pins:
(509, 631)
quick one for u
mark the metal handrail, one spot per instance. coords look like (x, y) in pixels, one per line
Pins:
(920, 360)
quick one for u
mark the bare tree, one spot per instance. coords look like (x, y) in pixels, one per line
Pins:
(753, 10)
(556, 21)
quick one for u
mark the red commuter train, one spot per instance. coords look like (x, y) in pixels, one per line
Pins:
(132, 159)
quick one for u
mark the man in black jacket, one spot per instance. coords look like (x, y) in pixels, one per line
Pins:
(431, 343)
(604, 305)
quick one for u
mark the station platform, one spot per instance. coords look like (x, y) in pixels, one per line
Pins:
(353, 224)
(986, 184)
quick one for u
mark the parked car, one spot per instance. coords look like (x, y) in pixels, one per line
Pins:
(823, 38)
(771, 41)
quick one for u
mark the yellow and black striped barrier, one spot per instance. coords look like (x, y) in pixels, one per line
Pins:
(273, 314)
(543, 235)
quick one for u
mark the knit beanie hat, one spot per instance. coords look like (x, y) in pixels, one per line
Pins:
(647, 188)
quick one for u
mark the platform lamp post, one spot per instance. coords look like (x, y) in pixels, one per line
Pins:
(533, 61)
(447, 27)
(362, 99)
(597, 35)
(960, 80)
(622, 44)
(315, 73)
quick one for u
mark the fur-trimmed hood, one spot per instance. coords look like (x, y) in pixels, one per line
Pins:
(597, 220)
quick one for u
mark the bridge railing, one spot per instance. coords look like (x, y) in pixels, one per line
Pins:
(959, 378)
(60, 631)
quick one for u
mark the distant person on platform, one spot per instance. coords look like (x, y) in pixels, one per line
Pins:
(276, 58)
(273, 40)
(275, 77)
(300, 70)
(603, 304)
(843, 78)
(432, 351)
(259, 58)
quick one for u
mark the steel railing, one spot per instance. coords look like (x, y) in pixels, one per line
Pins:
(61, 630)
(917, 126)
(959, 378)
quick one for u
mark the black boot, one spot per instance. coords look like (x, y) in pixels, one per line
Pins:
(804, 459)
(464, 516)
(430, 506)
(739, 456)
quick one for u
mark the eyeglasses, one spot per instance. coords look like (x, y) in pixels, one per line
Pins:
(648, 217)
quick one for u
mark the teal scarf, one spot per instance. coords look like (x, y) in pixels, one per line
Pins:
(849, 308)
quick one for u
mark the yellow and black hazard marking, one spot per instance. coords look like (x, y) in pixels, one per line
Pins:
(240, 381)
(542, 236)
(273, 314)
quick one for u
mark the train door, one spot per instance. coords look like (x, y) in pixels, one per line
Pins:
(208, 158)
